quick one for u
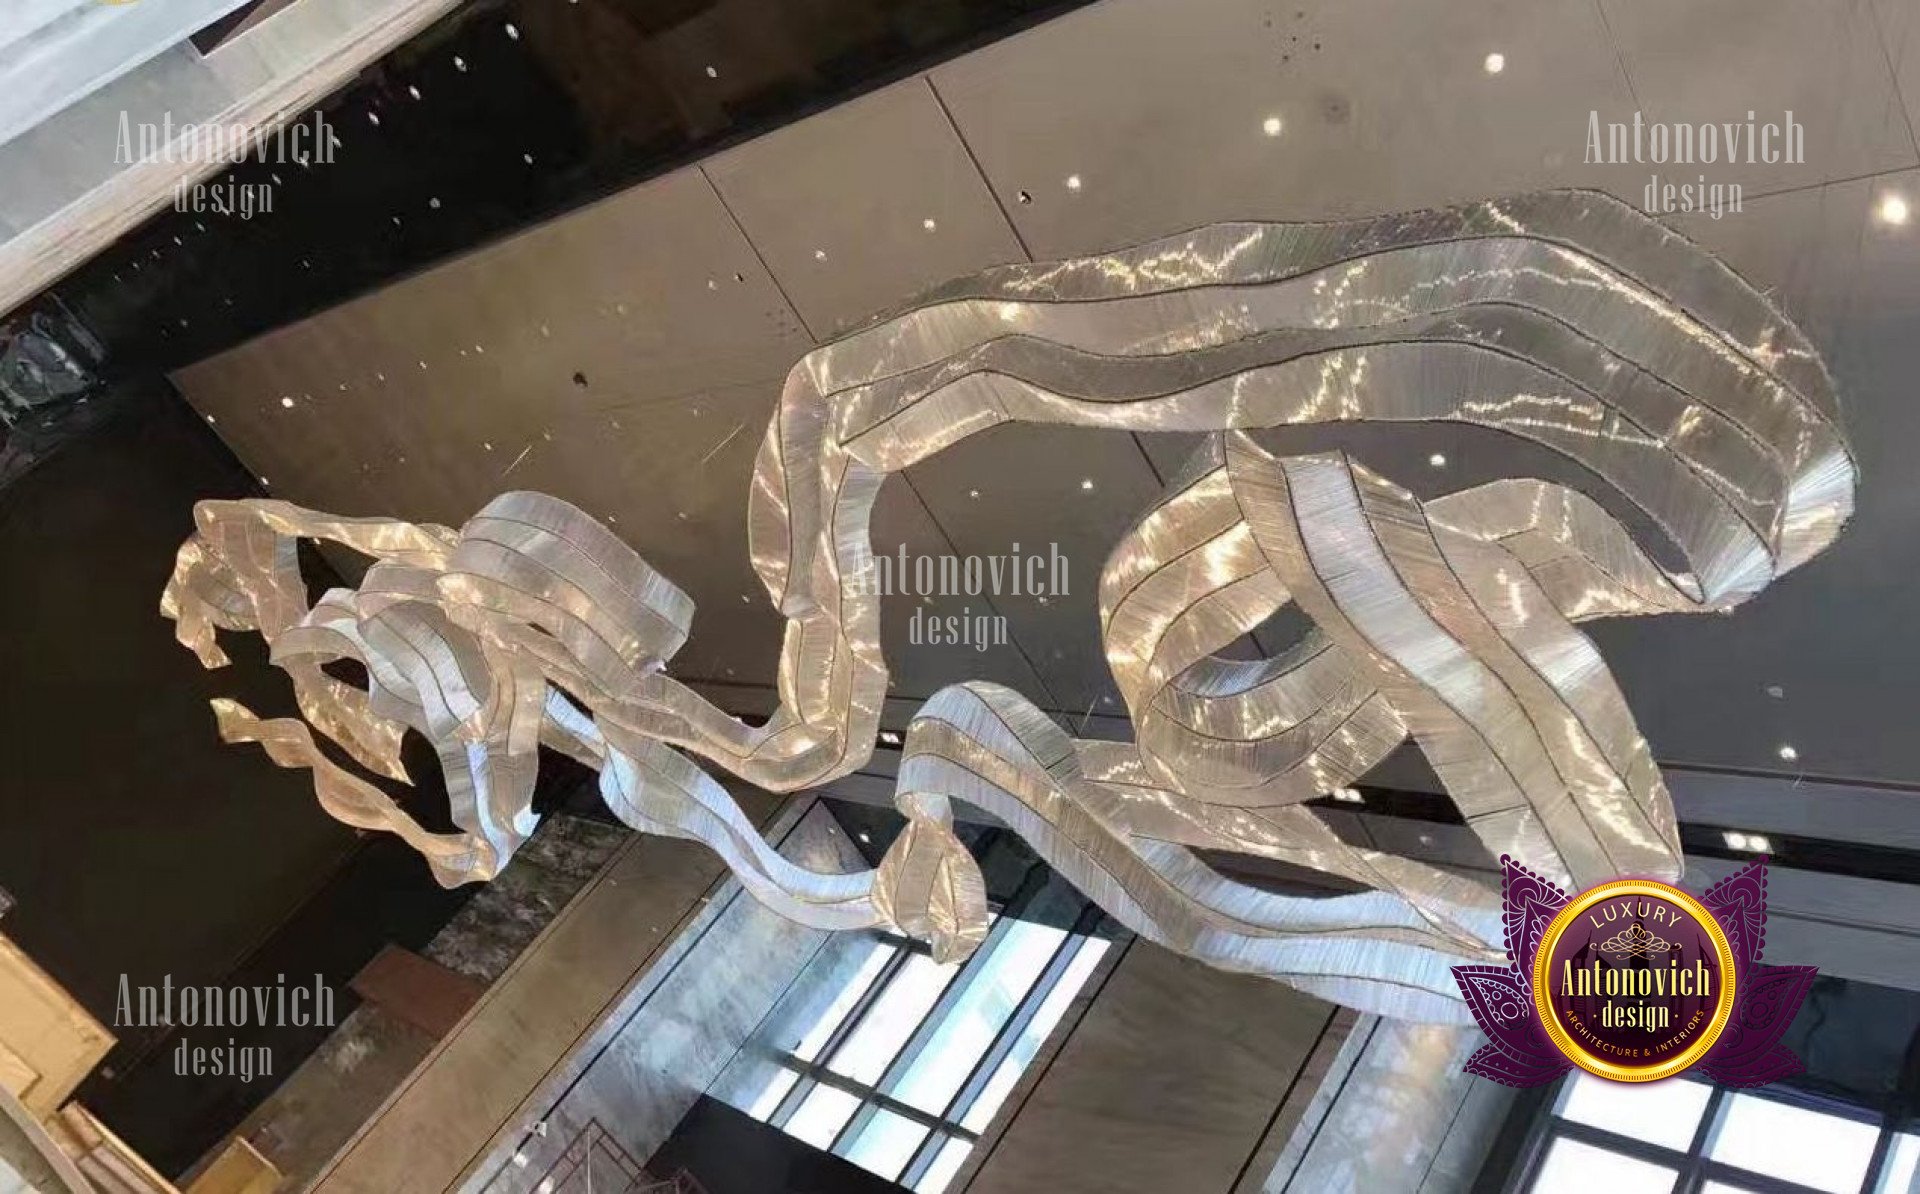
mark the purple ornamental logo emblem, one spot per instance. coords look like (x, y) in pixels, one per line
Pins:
(1634, 980)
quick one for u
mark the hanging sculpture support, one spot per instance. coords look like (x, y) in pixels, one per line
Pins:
(1564, 318)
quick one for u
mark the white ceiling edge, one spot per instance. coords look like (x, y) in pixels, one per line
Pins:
(277, 69)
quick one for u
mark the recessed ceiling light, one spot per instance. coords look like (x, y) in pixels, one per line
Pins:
(1073, 182)
(890, 738)
(1437, 460)
(1892, 209)
(414, 92)
(513, 31)
(1349, 796)
(866, 837)
(973, 493)
(1788, 753)
(713, 72)
(930, 224)
(1086, 482)
(819, 254)
(1495, 63)
(1271, 126)
(1759, 843)
(286, 402)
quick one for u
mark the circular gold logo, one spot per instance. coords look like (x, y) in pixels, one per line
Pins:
(1634, 980)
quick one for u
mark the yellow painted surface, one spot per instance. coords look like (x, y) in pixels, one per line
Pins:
(48, 1042)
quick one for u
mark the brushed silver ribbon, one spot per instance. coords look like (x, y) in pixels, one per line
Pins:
(1564, 318)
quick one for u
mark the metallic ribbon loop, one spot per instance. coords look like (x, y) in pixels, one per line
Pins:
(1702, 415)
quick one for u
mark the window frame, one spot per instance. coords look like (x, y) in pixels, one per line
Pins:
(1694, 1169)
(881, 1094)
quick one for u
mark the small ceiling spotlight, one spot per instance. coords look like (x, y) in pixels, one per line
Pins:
(819, 254)
(1437, 460)
(1073, 182)
(890, 738)
(930, 224)
(866, 838)
(1788, 754)
(1086, 483)
(286, 402)
(1750, 843)
(1495, 63)
(1892, 209)
(1349, 796)
(1271, 126)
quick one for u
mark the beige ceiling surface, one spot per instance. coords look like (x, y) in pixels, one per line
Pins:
(682, 302)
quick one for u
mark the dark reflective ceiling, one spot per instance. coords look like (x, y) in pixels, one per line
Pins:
(505, 113)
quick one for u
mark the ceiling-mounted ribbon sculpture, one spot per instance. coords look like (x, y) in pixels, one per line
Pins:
(1564, 318)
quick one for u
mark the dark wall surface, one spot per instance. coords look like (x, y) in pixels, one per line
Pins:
(134, 841)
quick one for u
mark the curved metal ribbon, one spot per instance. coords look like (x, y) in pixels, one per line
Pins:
(1564, 318)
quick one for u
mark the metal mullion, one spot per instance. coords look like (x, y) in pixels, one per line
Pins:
(1030, 886)
(807, 1081)
(821, 1076)
(1693, 1173)
(1534, 1143)
(1693, 1168)
(1079, 937)
(922, 1034)
(1613, 1142)
(1881, 1148)
(943, 1007)
(858, 1012)
(1747, 1179)
(790, 1102)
